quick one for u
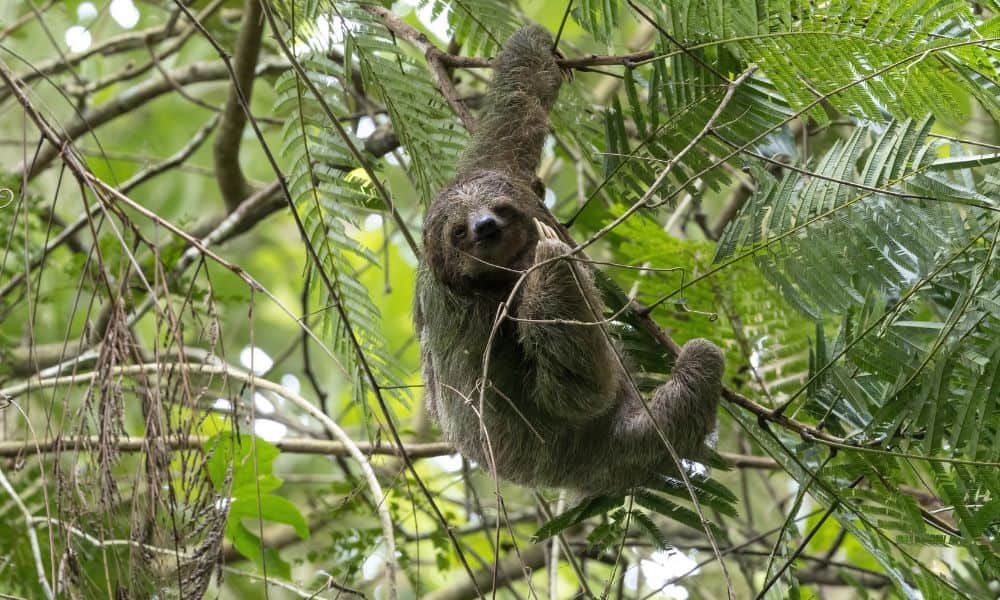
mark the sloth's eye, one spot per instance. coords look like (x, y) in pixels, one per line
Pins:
(458, 232)
(504, 211)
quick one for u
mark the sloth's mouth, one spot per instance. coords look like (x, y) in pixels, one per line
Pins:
(490, 241)
(488, 238)
(501, 256)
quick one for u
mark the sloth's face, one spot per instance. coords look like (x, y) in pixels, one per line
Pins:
(492, 235)
(479, 232)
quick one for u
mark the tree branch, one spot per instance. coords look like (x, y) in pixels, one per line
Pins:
(32, 535)
(24, 19)
(128, 41)
(582, 62)
(12, 448)
(440, 61)
(131, 71)
(226, 149)
(66, 235)
(24, 361)
(291, 445)
(832, 577)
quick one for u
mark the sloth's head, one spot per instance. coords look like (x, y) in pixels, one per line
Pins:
(479, 231)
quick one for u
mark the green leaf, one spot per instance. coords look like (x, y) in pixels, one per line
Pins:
(269, 507)
(589, 507)
(249, 457)
(662, 506)
(650, 530)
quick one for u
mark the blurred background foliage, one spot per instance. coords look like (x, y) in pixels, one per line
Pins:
(207, 359)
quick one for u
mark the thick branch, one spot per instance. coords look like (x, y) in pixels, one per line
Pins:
(226, 149)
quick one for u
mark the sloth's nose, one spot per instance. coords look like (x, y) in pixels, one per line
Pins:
(485, 226)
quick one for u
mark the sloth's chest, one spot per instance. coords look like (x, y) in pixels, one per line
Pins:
(498, 405)
(464, 366)
(471, 359)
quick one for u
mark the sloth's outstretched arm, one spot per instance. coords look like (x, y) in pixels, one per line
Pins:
(513, 126)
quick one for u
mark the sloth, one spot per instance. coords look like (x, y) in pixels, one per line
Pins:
(543, 399)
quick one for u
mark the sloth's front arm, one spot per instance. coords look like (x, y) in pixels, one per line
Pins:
(575, 374)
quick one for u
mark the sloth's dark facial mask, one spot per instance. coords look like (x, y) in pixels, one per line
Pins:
(495, 236)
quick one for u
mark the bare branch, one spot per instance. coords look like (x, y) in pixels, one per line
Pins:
(70, 230)
(24, 19)
(834, 577)
(291, 445)
(226, 149)
(132, 71)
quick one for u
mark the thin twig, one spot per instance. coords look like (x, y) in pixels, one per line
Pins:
(156, 57)
(109, 194)
(141, 176)
(131, 99)
(24, 19)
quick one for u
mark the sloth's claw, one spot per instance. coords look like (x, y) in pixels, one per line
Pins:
(545, 232)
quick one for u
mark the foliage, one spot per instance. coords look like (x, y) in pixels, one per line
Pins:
(834, 228)
(243, 466)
